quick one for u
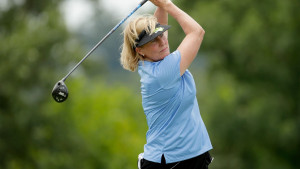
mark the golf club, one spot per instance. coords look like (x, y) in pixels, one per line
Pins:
(60, 91)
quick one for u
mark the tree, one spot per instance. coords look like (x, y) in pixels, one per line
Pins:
(35, 131)
(249, 90)
(34, 45)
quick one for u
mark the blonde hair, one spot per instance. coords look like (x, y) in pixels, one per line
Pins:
(129, 57)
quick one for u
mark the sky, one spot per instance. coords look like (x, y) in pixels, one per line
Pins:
(77, 11)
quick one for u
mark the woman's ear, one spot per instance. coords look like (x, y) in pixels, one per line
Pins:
(139, 51)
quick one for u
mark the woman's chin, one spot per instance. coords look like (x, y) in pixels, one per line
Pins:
(165, 53)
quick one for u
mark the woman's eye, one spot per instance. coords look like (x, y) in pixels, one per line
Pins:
(154, 40)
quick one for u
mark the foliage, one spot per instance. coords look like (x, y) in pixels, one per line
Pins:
(34, 43)
(106, 125)
(247, 79)
(109, 121)
(250, 89)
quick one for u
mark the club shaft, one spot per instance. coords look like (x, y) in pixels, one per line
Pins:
(101, 41)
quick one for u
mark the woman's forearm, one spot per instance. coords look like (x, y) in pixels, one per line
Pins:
(161, 15)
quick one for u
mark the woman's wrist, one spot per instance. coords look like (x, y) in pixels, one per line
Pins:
(167, 6)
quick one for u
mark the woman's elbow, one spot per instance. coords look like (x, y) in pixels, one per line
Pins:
(200, 32)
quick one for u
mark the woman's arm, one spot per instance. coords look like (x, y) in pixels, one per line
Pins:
(190, 45)
(162, 17)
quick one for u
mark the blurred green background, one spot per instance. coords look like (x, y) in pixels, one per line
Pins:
(247, 75)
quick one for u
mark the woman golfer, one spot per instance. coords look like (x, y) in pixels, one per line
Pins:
(177, 137)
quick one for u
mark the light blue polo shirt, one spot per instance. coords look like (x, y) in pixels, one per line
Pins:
(175, 127)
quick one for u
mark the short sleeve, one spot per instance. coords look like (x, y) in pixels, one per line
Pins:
(168, 70)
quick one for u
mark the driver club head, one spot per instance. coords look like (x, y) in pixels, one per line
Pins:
(60, 92)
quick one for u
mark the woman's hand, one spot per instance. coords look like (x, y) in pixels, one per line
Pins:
(161, 3)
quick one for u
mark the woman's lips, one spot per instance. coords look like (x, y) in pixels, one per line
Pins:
(164, 49)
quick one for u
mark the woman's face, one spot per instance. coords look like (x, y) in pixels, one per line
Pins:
(156, 49)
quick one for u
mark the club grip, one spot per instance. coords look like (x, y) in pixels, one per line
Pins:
(143, 2)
